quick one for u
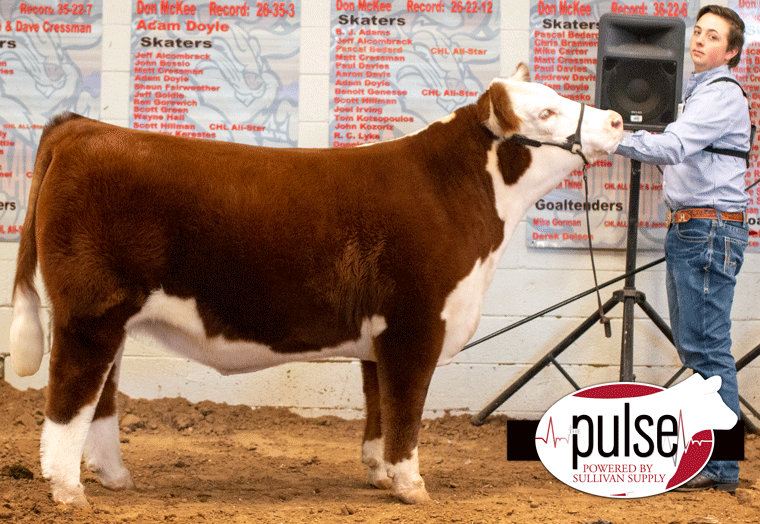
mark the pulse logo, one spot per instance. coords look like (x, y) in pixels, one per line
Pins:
(629, 440)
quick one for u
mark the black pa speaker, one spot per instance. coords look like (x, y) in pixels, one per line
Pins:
(640, 69)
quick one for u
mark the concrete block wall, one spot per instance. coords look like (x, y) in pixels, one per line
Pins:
(527, 281)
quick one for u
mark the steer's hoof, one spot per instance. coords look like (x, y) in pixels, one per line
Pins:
(377, 472)
(377, 475)
(115, 478)
(380, 483)
(417, 496)
(70, 496)
(118, 483)
(411, 492)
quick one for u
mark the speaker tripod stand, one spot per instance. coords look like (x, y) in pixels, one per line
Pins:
(628, 296)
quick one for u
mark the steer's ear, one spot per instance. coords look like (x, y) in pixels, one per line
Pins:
(521, 74)
(495, 111)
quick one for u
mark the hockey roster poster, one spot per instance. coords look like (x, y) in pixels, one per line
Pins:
(50, 62)
(216, 71)
(397, 66)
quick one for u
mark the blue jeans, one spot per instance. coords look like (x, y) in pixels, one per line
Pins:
(703, 258)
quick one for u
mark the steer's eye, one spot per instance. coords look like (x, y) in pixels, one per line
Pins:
(546, 114)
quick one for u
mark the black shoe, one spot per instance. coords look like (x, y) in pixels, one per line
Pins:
(701, 483)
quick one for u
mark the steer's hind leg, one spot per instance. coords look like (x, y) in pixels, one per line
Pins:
(405, 367)
(81, 358)
(372, 444)
(102, 452)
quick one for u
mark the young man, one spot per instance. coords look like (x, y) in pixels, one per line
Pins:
(704, 191)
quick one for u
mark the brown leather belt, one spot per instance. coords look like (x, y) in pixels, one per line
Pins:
(684, 215)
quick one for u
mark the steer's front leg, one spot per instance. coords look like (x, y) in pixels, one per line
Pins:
(404, 376)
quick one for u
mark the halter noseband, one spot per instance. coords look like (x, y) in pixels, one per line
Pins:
(572, 142)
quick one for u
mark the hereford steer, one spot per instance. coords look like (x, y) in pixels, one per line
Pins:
(245, 257)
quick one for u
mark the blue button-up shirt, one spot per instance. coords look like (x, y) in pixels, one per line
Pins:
(714, 115)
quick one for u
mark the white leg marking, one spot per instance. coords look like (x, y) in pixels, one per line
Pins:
(103, 454)
(101, 450)
(407, 482)
(26, 336)
(377, 469)
(61, 454)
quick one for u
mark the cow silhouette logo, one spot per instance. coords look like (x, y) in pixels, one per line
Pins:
(630, 440)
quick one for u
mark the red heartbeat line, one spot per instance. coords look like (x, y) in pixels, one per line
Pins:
(679, 429)
(683, 435)
(549, 429)
(691, 441)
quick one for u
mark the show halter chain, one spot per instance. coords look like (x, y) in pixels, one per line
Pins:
(573, 144)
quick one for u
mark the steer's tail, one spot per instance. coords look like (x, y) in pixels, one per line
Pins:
(27, 337)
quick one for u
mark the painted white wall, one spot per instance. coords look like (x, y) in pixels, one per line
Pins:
(527, 281)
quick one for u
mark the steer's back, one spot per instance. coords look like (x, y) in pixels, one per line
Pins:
(293, 249)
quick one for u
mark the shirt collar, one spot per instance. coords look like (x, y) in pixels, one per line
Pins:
(706, 76)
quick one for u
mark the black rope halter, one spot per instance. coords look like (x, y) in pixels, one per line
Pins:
(572, 143)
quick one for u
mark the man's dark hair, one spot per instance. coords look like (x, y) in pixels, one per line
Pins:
(735, 29)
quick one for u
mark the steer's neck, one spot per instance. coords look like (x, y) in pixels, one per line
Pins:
(455, 145)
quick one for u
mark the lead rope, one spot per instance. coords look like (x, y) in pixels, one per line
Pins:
(602, 318)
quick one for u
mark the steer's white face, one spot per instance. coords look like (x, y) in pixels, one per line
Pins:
(548, 117)
(539, 113)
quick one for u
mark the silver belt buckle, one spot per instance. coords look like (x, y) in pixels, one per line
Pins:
(668, 218)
